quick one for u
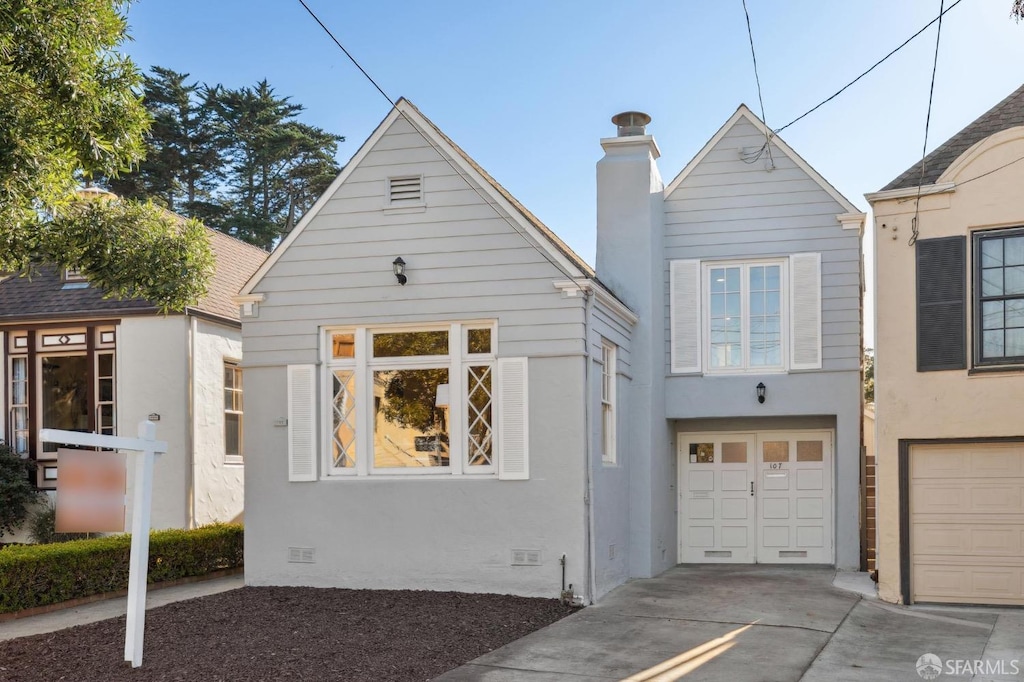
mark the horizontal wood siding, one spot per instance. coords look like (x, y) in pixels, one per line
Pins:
(607, 325)
(463, 262)
(726, 208)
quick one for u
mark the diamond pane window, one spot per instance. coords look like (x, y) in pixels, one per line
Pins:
(480, 416)
(343, 432)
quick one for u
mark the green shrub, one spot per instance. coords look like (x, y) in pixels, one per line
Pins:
(37, 575)
(17, 496)
(42, 527)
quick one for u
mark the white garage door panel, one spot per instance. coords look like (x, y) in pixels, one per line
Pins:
(967, 523)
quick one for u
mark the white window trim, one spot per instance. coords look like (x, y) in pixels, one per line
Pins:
(457, 362)
(745, 264)
(609, 370)
(240, 457)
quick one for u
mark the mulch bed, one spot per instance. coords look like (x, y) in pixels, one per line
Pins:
(288, 633)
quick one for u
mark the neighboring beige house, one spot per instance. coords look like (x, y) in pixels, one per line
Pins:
(74, 359)
(949, 391)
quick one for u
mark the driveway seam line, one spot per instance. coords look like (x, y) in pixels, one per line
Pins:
(830, 636)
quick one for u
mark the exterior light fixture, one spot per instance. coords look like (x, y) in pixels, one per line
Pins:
(399, 266)
(760, 392)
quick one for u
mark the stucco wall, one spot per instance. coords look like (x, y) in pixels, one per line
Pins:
(152, 377)
(945, 404)
(218, 483)
(437, 533)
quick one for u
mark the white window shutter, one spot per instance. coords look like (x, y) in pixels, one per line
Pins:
(513, 420)
(301, 422)
(684, 315)
(805, 307)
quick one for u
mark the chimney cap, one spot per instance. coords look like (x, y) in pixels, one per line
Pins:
(631, 123)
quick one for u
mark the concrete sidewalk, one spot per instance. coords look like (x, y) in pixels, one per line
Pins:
(113, 608)
(748, 623)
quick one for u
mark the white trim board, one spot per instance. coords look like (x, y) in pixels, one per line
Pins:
(405, 109)
(744, 112)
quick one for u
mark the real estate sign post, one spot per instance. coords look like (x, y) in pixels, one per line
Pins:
(147, 446)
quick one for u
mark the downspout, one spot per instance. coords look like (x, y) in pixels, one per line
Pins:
(191, 420)
(591, 568)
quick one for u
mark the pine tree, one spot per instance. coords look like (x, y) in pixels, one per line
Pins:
(183, 155)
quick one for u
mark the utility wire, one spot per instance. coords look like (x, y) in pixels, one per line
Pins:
(927, 122)
(444, 156)
(760, 99)
(872, 68)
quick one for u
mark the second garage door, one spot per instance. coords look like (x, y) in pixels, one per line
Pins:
(967, 523)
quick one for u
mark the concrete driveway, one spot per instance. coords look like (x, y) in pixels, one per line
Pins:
(757, 623)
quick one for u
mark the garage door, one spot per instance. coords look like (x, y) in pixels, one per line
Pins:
(967, 523)
(755, 497)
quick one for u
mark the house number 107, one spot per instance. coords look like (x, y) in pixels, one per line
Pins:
(775, 465)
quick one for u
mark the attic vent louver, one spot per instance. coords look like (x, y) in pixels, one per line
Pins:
(405, 190)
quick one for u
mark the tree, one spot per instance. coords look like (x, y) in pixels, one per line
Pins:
(183, 155)
(69, 112)
(277, 166)
(869, 375)
(1017, 11)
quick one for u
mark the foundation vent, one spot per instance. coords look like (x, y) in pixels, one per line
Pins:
(301, 555)
(526, 557)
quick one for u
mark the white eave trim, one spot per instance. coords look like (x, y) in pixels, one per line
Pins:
(904, 192)
(744, 112)
(852, 221)
(574, 288)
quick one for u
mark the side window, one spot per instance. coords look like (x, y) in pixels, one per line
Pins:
(232, 411)
(608, 403)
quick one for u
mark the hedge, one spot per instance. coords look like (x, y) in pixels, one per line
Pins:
(37, 575)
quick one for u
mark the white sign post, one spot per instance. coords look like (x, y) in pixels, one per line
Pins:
(148, 446)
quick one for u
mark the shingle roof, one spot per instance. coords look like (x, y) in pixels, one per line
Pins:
(1007, 114)
(43, 294)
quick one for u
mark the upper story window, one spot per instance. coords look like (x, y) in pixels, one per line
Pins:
(999, 297)
(608, 403)
(745, 316)
(411, 400)
(749, 316)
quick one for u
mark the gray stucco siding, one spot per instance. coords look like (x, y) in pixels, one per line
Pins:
(436, 533)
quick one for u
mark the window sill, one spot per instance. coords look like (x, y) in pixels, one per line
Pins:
(234, 461)
(989, 370)
(411, 477)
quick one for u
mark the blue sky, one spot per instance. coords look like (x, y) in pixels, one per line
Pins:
(527, 88)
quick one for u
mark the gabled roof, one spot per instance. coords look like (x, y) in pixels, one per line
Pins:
(471, 171)
(43, 294)
(1007, 114)
(743, 112)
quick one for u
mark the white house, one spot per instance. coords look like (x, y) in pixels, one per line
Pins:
(75, 360)
(442, 395)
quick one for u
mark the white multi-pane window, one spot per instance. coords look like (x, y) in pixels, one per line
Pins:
(608, 444)
(19, 405)
(233, 411)
(745, 316)
(410, 401)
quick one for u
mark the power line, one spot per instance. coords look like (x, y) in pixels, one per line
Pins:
(441, 153)
(978, 177)
(872, 68)
(927, 123)
(760, 99)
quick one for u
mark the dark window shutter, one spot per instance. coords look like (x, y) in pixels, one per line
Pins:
(941, 304)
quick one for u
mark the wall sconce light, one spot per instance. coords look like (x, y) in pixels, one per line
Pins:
(760, 392)
(399, 266)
